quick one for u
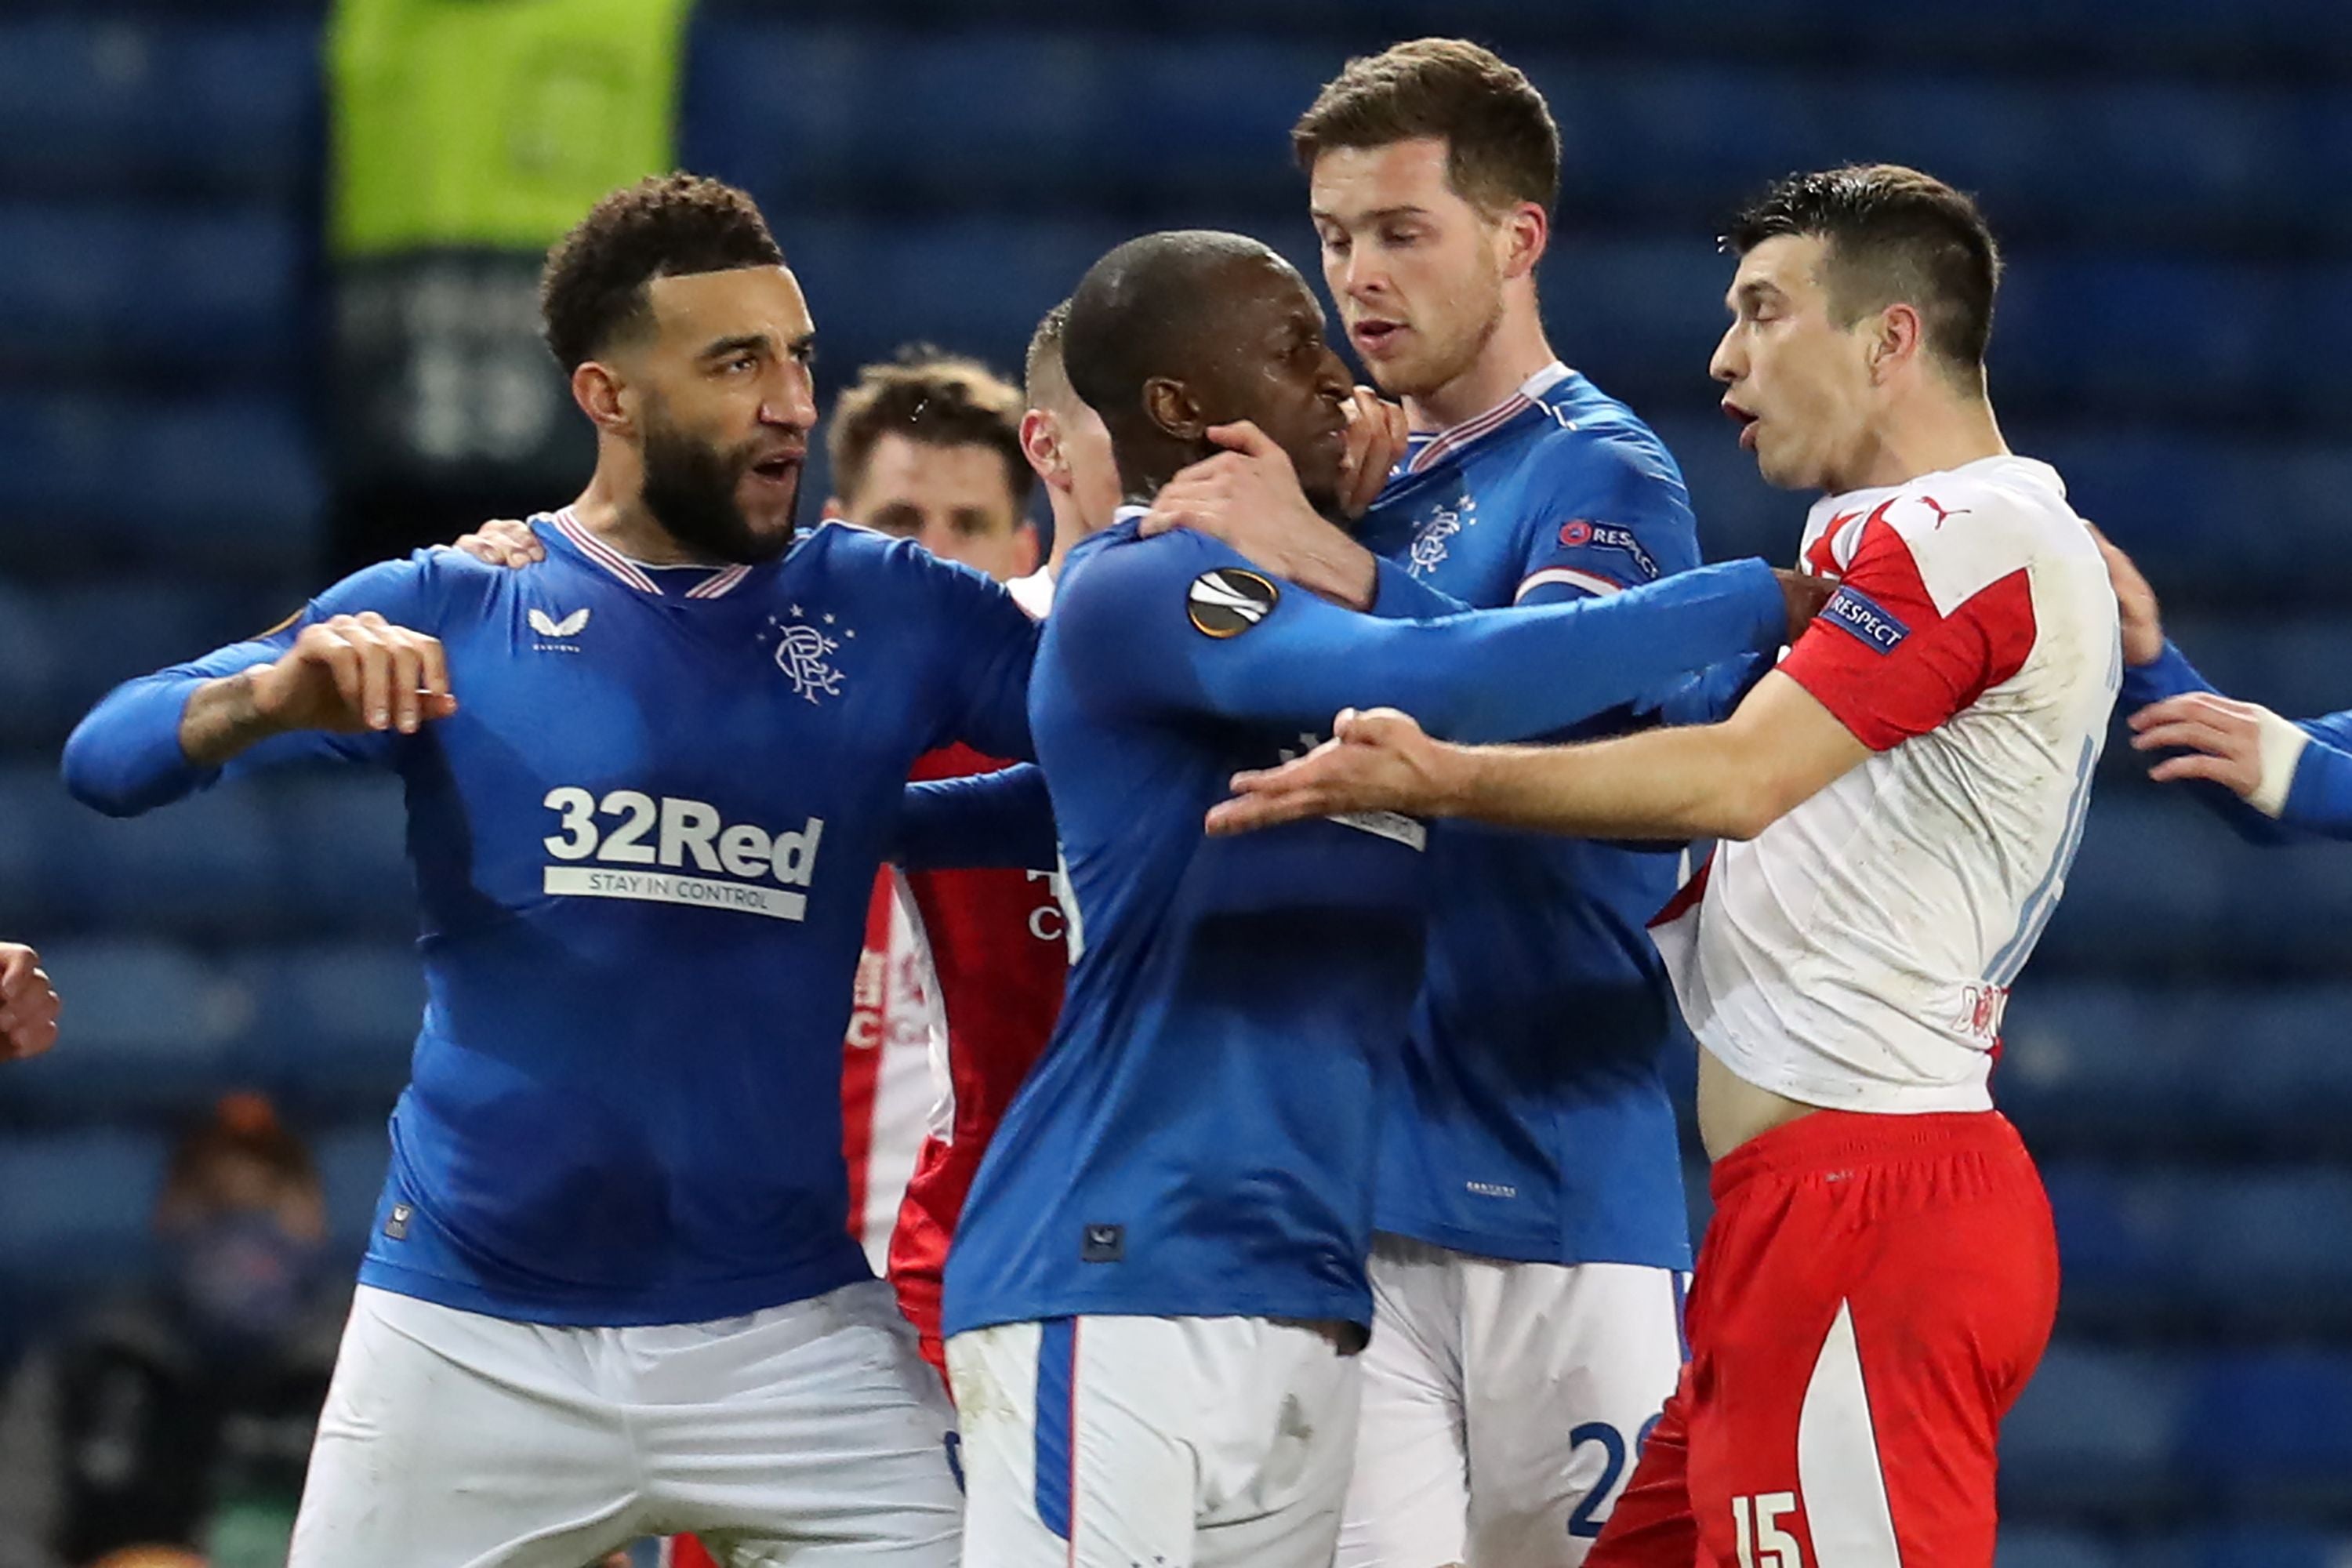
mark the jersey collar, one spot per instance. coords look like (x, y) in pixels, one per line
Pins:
(1428, 451)
(722, 581)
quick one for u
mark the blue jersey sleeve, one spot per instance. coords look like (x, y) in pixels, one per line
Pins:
(124, 757)
(1003, 818)
(1612, 515)
(1181, 624)
(2319, 802)
(986, 648)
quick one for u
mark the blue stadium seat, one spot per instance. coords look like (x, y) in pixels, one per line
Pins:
(342, 843)
(2096, 1429)
(2158, 877)
(78, 1208)
(207, 863)
(352, 1160)
(2273, 1430)
(791, 112)
(223, 481)
(2249, 1547)
(85, 639)
(98, 287)
(2169, 1068)
(334, 1025)
(2253, 1251)
(122, 101)
(36, 666)
(149, 1031)
(2029, 1548)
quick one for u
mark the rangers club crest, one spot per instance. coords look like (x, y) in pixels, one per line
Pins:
(804, 654)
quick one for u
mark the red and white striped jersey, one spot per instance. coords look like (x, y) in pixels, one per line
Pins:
(1858, 952)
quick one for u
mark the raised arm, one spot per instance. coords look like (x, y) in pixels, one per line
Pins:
(1181, 624)
(337, 680)
(2271, 780)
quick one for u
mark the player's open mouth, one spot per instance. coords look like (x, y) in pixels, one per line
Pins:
(1745, 420)
(778, 470)
(1376, 337)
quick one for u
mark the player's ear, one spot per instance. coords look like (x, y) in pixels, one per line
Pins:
(1170, 405)
(597, 388)
(1041, 443)
(1898, 336)
(1525, 234)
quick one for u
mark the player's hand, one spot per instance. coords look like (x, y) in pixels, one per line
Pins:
(1247, 496)
(2143, 617)
(2221, 740)
(1805, 594)
(1377, 435)
(502, 542)
(351, 674)
(29, 1003)
(1377, 760)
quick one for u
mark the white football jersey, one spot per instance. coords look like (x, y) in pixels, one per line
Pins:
(1858, 952)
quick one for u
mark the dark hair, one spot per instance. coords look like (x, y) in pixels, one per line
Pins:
(1148, 308)
(244, 1125)
(936, 398)
(594, 285)
(1043, 377)
(1891, 234)
(1501, 144)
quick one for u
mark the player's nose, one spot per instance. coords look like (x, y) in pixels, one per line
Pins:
(1726, 364)
(793, 401)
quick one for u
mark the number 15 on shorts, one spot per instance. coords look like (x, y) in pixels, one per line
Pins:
(1756, 1527)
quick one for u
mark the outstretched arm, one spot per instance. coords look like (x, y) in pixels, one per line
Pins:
(1729, 780)
(341, 679)
(1181, 625)
(2262, 773)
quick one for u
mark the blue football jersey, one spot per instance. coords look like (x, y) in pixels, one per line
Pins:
(1529, 1120)
(1200, 1137)
(644, 847)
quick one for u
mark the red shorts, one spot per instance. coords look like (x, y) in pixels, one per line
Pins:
(1871, 1296)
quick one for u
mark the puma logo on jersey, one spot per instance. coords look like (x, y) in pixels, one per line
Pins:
(635, 842)
(547, 626)
(1228, 601)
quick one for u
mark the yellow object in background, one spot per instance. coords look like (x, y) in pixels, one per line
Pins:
(494, 122)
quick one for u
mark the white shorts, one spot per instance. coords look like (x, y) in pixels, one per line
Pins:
(1503, 1404)
(1176, 1442)
(809, 1433)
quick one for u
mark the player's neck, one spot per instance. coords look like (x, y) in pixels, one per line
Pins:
(1929, 433)
(624, 523)
(1518, 349)
(1069, 530)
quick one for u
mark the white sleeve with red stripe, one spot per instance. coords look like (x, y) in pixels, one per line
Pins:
(1924, 622)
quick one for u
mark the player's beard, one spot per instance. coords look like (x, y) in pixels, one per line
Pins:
(690, 487)
(1455, 354)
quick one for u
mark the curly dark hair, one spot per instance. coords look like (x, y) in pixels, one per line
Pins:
(593, 289)
(1891, 234)
(932, 398)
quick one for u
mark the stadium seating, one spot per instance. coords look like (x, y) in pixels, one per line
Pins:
(117, 99)
(126, 284)
(233, 481)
